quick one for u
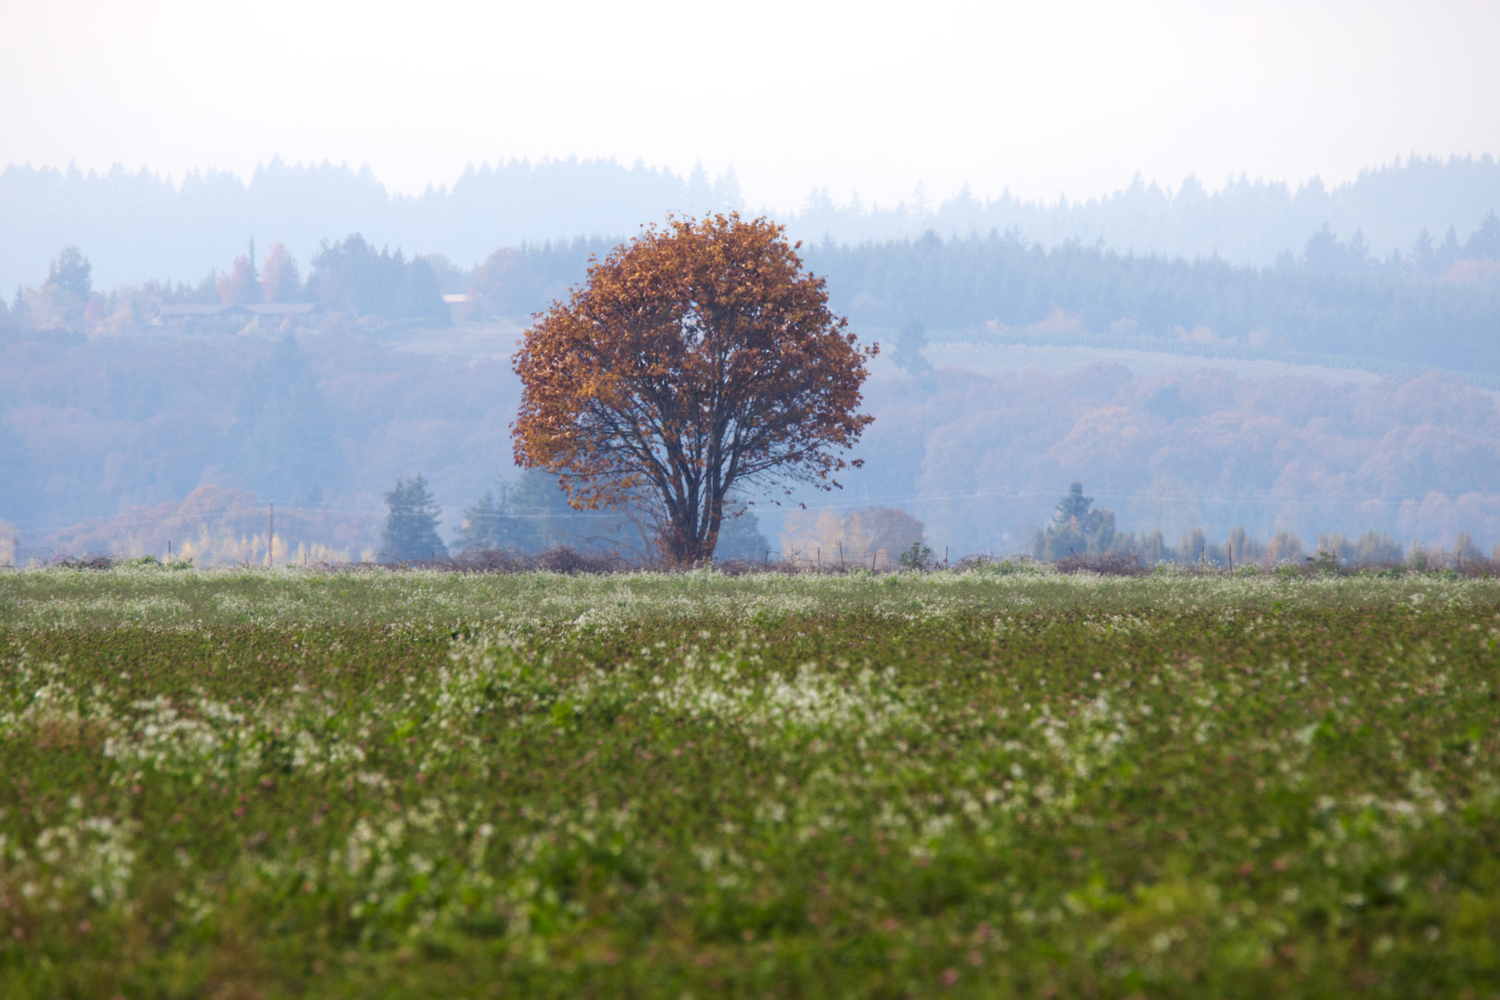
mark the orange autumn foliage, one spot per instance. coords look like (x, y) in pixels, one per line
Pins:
(696, 360)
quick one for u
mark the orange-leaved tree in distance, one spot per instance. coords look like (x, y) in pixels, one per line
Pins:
(695, 360)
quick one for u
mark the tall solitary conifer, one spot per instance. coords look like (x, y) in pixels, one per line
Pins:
(411, 528)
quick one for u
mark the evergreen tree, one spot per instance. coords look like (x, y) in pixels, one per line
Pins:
(1076, 528)
(1075, 504)
(280, 281)
(1484, 242)
(242, 283)
(740, 537)
(281, 439)
(545, 518)
(909, 343)
(351, 277)
(71, 272)
(492, 524)
(18, 489)
(411, 529)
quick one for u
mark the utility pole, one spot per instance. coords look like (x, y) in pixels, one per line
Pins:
(271, 536)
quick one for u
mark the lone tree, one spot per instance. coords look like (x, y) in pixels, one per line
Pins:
(411, 529)
(695, 360)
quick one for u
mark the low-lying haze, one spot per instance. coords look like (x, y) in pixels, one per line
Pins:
(1035, 99)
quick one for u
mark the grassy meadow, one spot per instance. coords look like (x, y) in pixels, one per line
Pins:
(1001, 783)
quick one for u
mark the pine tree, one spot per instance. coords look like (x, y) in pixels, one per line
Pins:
(1075, 504)
(411, 529)
(1484, 242)
(1076, 528)
(909, 343)
(740, 537)
(70, 272)
(492, 524)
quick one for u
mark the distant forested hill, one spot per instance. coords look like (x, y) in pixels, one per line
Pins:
(1001, 288)
(104, 405)
(1330, 303)
(136, 226)
(140, 225)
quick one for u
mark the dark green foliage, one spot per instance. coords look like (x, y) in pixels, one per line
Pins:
(543, 519)
(18, 490)
(281, 443)
(1001, 286)
(492, 524)
(1073, 505)
(910, 340)
(918, 557)
(740, 537)
(411, 527)
(1076, 529)
(350, 277)
(1484, 242)
(71, 272)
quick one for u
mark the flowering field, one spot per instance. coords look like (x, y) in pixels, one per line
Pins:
(283, 784)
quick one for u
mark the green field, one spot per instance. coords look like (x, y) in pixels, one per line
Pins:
(245, 783)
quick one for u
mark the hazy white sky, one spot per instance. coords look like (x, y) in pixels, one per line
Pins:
(1042, 97)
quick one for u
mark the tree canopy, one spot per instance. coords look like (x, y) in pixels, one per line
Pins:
(411, 528)
(697, 359)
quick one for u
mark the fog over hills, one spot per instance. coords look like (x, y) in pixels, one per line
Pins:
(136, 225)
(1310, 360)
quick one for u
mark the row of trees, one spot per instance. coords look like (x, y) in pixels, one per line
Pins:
(1427, 259)
(348, 276)
(528, 516)
(1080, 529)
(999, 287)
(150, 224)
(1336, 298)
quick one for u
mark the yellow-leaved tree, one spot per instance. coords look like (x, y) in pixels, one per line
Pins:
(697, 359)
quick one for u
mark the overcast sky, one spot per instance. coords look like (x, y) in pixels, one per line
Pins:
(1043, 98)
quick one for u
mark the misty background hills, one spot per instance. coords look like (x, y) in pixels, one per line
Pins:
(141, 225)
(1311, 360)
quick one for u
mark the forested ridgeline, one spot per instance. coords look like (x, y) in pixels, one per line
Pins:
(1334, 304)
(139, 225)
(1333, 300)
